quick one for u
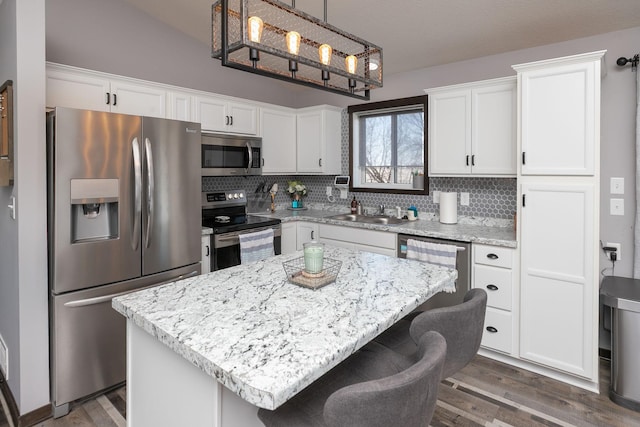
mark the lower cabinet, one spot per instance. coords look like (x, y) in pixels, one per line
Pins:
(206, 254)
(288, 240)
(493, 271)
(305, 232)
(380, 242)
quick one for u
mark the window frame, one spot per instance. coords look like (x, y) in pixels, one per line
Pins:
(371, 108)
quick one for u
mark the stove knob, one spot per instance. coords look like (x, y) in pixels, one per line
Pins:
(235, 195)
(230, 196)
(242, 195)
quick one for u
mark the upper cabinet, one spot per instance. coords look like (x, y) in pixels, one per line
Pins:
(559, 121)
(472, 129)
(319, 140)
(217, 114)
(75, 88)
(279, 145)
(306, 141)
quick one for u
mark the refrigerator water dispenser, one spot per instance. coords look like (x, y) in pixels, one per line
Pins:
(94, 209)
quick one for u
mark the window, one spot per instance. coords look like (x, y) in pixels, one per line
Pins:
(387, 146)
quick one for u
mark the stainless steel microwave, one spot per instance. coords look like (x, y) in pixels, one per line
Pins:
(231, 155)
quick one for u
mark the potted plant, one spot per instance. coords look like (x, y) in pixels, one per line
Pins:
(297, 191)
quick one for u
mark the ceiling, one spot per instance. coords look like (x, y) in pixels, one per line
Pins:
(417, 34)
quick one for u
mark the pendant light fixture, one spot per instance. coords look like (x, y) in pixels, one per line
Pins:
(271, 38)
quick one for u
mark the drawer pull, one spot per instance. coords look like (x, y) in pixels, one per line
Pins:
(492, 256)
(492, 329)
(492, 287)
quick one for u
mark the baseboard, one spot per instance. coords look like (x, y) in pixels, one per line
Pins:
(34, 417)
(27, 420)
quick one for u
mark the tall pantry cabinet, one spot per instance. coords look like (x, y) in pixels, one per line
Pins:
(558, 176)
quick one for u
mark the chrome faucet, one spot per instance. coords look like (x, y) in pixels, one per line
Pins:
(381, 209)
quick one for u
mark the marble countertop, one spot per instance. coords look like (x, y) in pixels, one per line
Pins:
(266, 339)
(475, 230)
(207, 231)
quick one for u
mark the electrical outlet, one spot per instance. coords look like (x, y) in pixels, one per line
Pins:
(616, 206)
(617, 186)
(329, 190)
(618, 247)
(436, 197)
(464, 199)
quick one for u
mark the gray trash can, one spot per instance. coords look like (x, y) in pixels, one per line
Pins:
(623, 296)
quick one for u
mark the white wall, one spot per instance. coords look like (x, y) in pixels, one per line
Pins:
(23, 254)
(9, 313)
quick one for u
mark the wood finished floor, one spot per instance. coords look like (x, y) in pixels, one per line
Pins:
(485, 393)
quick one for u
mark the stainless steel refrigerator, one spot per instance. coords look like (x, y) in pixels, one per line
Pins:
(123, 214)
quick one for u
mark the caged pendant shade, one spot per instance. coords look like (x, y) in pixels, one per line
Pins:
(271, 38)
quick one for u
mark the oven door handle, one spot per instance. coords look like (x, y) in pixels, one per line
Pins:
(231, 239)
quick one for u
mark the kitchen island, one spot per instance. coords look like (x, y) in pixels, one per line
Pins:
(260, 337)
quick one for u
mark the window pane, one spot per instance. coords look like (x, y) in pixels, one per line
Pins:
(377, 148)
(410, 146)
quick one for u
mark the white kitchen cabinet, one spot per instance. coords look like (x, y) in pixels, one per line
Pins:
(472, 129)
(217, 114)
(558, 215)
(84, 89)
(279, 143)
(206, 254)
(362, 239)
(559, 112)
(288, 240)
(180, 105)
(319, 139)
(305, 232)
(559, 282)
(493, 271)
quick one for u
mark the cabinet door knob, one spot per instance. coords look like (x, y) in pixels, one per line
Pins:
(115, 99)
(492, 287)
(108, 98)
(473, 160)
(492, 329)
(311, 234)
(492, 256)
(467, 160)
(207, 250)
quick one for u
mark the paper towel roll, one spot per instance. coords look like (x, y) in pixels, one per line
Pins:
(448, 208)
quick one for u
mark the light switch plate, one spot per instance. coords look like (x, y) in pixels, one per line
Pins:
(617, 186)
(616, 207)
(464, 199)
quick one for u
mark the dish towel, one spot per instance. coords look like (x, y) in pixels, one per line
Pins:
(432, 253)
(256, 246)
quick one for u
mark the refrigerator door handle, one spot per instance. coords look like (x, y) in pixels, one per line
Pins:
(150, 189)
(250, 156)
(99, 300)
(137, 171)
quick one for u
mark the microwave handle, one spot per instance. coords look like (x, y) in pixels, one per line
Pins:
(250, 156)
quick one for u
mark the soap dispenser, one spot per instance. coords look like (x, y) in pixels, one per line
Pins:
(354, 205)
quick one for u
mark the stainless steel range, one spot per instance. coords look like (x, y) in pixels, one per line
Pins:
(226, 213)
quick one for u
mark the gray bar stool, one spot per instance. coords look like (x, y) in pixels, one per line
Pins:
(406, 398)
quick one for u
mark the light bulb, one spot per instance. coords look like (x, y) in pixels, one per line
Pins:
(325, 52)
(351, 63)
(373, 65)
(293, 42)
(255, 29)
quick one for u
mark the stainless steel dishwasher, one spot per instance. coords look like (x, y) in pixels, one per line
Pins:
(463, 265)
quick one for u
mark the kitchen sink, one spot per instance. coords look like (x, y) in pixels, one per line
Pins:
(369, 219)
